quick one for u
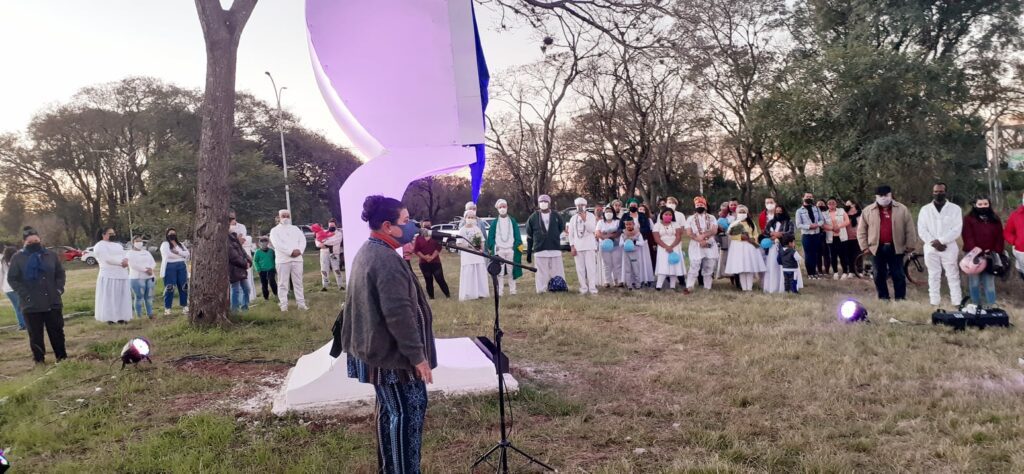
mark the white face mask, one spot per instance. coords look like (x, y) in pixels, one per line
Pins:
(883, 201)
(671, 206)
(741, 216)
(286, 221)
(137, 245)
(609, 215)
(544, 205)
(470, 222)
(502, 211)
(233, 228)
(770, 207)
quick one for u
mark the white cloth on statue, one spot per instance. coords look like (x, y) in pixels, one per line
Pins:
(744, 258)
(774, 281)
(667, 233)
(113, 288)
(473, 273)
(548, 267)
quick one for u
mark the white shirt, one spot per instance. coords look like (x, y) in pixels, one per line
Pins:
(285, 239)
(608, 227)
(138, 262)
(697, 225)
(581, 232)
(110, 255)
(240, 229)
(6, 287)
(166, 256)
(504, 234)
(943, 226)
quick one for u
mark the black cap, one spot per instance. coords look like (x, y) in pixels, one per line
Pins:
(883, 190)
(27, 232)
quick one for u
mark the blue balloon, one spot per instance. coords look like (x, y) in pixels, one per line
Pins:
(723, 223)
(674, 258)
(607, 245)
(766, 243)
(629, 246)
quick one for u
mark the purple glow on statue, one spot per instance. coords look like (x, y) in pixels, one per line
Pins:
(402, 79)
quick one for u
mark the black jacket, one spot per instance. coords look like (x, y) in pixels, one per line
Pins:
(238, 262)
(787, 258)
(44, 294)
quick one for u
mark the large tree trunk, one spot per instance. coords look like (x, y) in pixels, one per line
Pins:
(209, 303)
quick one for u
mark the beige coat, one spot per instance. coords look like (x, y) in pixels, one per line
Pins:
(904, 232)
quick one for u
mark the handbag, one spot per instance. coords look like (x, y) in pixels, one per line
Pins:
(995, 264)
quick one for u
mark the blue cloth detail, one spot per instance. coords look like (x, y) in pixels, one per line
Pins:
(476, 170)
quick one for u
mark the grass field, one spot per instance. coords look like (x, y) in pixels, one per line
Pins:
(618, 382)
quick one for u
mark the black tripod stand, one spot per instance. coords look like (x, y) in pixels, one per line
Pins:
(494, 268)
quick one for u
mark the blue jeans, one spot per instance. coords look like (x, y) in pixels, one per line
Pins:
(240, 296)
(142, 290)
(975, 284)
(887, 262)
(176, 276)
(17, 308)
(812, 244)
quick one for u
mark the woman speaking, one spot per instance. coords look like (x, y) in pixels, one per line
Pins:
(388, 334)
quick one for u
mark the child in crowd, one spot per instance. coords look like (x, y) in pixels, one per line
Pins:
(788, 259)
(632, 265)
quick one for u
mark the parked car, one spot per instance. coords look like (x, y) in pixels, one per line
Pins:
(88, 256)
(69, 253)
(450, 229)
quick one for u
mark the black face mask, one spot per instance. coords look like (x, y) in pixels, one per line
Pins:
(332, 228)
(939, 197)
(808, 202)
(984, 213)
(633, 209)
(701, 210)
(172, 237)
(36, 247)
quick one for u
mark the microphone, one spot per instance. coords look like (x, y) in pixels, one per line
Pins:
(437, 235)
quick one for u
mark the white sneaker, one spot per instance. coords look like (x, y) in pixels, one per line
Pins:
(184, 310)
(284, 309)
(835, 276)
(167, 311)
(304, 308)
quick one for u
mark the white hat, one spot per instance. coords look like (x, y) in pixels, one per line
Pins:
(500, 202)
(543, 198)
(580, 201)
(470, 205)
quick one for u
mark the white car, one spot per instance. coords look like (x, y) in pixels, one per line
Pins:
(88, 256)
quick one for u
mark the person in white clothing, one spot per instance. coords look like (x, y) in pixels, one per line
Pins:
(543, 231)
(481, 224)
(636, 271)
(746, 260)
(174, 271)
(939, 225)
(473, 275)
(702, 229)
(668, 234)
(505, 241)
(583, 245)
(235, 226)
(113, 288)
(289, 242)
(329, 243)
(608, 231)
(142, 273)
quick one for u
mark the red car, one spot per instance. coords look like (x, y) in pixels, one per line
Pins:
(69, 253)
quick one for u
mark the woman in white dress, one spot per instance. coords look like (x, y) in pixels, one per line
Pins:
(611, 261)
(745, 257)
(113, 287)
(473, 275)
(778, 225)
(668, 235)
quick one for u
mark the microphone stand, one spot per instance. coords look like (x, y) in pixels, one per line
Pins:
(494, 268)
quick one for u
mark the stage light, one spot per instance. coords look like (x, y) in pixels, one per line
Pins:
(851, 311)
(135, 351)
(4, 464)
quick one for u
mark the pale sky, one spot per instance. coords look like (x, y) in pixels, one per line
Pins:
(52, 48)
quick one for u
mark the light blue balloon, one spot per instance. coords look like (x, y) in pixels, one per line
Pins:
(674, 258)
(607, 245)
(766, 243)
(629, 246)
(723, 223)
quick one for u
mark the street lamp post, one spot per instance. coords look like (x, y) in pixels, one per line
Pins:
(280, 130)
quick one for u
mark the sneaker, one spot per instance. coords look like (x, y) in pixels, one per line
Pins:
(284, 309)
(184, 310)
(835, 276)
(167, 311)
(323, 289)
(304, 308)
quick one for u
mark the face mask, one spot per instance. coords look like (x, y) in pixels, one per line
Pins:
(741, 217)
(732, 208)
(822, 208)
(137, 245)
(808, 202)
(263, 245)
(286, 221)
(883, 201)
(36, 247)
(939, 197)
(172, 236)
(671, 206)
(409, 232)
(544, 205)
(470, 222)
(770, 207)
(502, 211)
(332, 229)
(608, 216)
(112, 237)
(580, 209)
(233, 228)
(667, 219)
(633, 209)
(701, 210)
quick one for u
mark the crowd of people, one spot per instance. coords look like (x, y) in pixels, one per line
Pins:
(627, 246)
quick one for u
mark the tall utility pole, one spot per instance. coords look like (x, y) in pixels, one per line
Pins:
(280, 130)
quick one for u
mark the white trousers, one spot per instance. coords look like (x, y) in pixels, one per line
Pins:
(661, 281)
(747, 281)
(937, 262)
(329, 264)
(290, 271)
(548, 268)
(702, 266)
(586, 271)
(506, 272)
(612, 266)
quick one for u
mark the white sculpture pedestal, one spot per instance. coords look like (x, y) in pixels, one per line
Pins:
(319, 382)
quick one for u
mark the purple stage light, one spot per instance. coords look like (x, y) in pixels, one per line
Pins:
(851, 311)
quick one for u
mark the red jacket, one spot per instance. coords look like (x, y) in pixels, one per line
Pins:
(984, 235)
(1014, 231)
(762, 220)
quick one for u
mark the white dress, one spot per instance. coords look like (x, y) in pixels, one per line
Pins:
(473, 273)
(667, 233)
(639, 259)
(744, 257)
(113, 288)
(773, 281)
(609, 265)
